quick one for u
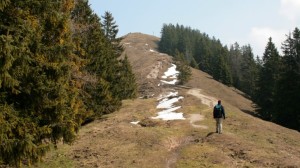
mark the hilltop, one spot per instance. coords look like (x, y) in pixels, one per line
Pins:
(115, 141)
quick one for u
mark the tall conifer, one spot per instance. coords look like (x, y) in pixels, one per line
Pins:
(183, 68)
(100, 60)
(109, 26)
(36, 89)
(248, 71)
(287, 91)
(127, 86)
(268, 77)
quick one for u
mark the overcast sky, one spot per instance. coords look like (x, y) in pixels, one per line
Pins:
(243, 21)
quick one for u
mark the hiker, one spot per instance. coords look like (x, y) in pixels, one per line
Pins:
(219, 115)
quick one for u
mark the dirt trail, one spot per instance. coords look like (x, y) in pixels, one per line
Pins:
(115, 142)
(155, 71)
(207, 100)
(196, 118)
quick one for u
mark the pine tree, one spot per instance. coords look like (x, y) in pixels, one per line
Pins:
(183, 68)
(127, 83)
(18, 131)
(3, 4)
(268, 77)
(168, 41)
(123, 75)
(36, 90)
(222, 71)
(198, 49)
(248, 71)
(101, 61)
(109, 26)
(235, 56)
(57, 68)
(194, 64)
(288, 88)
(235, 59)
(203, 54)
(102, 52)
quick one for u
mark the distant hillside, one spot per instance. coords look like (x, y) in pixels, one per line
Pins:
(142, 53)
(131, 137)
(271, 81)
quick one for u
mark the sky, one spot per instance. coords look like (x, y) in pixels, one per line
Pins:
(242, 21)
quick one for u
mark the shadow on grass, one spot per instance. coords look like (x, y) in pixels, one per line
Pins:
(253, 113)
(211, 133)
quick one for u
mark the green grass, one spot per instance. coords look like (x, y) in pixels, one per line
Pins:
(55, 159)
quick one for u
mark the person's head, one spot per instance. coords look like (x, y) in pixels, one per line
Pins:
(219, 101)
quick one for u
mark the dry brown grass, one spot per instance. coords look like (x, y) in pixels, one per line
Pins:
(115, 142)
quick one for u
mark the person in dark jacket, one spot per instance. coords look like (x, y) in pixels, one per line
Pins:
(219, 115)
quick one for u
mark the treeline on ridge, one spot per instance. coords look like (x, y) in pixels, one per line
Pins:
(60, 66)
(272, 82)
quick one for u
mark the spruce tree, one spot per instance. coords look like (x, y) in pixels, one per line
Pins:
(127, 83)
(203, 54)
(57, 68)
(235, 59)
(194, 64)
(3, 4)
(288, 88)
(183, 68)
(222, 71)
(101, 50)
(39, 100)
(123, 75)
(109, 26)
(100, 61)
(19, 135)
(248, 71)
(198, 49)
(168, 40)
(268, 77)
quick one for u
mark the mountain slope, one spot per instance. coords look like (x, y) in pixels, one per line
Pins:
(116, 142)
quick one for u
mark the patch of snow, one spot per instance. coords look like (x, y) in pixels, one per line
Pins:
(152, 50)
(171, 94)
(135, 122)
(170, 114)
(146, 44)
(169, 110)
(168, 103)
(167, 100)
(171, 72)
(173, 82)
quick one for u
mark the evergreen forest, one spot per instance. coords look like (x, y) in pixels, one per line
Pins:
(271, 81)
(60, 67)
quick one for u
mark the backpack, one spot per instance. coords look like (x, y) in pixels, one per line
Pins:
(218, 111)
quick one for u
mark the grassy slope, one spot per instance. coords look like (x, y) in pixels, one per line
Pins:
(114, 142)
